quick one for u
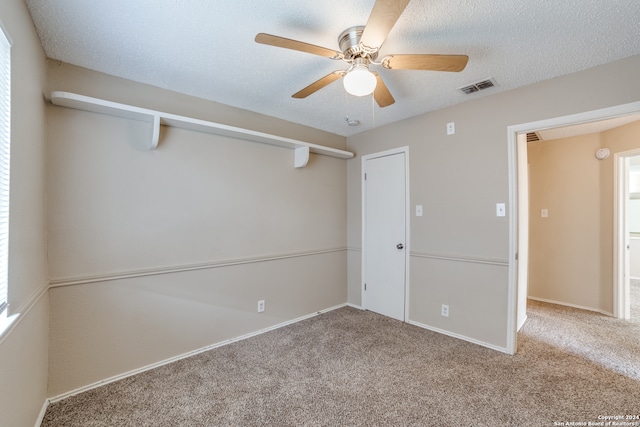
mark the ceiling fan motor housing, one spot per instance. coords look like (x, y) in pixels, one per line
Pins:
(349, 42)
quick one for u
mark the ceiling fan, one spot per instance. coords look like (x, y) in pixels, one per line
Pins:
(359, 47)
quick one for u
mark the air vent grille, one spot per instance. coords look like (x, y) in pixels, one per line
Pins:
(468, 89)
(477, 86)
(533, 137)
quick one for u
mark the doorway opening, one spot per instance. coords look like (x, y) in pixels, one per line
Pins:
(634, 236)
(519, 206)
(627, 228)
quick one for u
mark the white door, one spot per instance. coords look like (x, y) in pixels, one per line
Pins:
(384, 234)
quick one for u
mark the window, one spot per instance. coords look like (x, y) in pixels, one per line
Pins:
(5, 128)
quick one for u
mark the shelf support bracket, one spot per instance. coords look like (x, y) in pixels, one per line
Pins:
(301, 157)
(155, 137)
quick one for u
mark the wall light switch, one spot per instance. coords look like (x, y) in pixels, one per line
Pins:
(418, 210)
(451, 128)
(501, 209)
(544, 213)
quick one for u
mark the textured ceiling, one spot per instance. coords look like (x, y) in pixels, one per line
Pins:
(206, 48)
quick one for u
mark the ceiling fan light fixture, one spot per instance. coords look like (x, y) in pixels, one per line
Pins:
(359, 81)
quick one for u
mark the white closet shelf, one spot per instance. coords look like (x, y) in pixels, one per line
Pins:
(157, 118)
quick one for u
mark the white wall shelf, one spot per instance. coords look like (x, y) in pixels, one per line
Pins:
(157, 118)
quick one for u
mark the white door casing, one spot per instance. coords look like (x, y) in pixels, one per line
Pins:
(516, 229)
(385, 236)
(622, 262)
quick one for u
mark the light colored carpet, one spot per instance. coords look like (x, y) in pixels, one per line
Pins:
(357, 368)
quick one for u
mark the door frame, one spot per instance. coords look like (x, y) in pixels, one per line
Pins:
(407, 232)
(621, 278)
(516, 177)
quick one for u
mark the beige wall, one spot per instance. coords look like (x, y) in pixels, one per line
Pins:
(24, 370)
(198, 200)
(102, 330)
(114, 208)
(572, 250)
(564, 258)
(459, 179)
(23, 349)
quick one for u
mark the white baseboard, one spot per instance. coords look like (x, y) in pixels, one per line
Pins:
(183, 356)
(355, 306)
(42, 412)
(458, 336)
(566, 304)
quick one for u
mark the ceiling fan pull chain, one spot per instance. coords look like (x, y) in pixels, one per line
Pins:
(373, 112)
(346, 107)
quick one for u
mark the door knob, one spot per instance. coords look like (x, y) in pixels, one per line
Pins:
(399, 246)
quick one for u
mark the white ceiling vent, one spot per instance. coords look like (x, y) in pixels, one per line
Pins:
(477, 86)
(533, 137)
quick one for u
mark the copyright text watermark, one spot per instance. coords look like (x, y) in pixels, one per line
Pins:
(608, 420)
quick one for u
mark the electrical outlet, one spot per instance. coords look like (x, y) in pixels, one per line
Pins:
(260, 306)
(444, 312)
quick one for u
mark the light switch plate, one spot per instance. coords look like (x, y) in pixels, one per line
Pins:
(451, 128)
(501, 209)
(418, 210)
(544, 213)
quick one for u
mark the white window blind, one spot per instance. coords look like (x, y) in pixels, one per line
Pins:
(5, 140)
